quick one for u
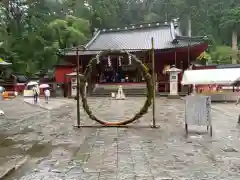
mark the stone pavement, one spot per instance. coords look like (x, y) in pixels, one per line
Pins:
(53, 149)
(53, 102)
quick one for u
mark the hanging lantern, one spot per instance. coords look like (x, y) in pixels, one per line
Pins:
(98, 60)
(120, 61)
(109, 61)
(129, 59)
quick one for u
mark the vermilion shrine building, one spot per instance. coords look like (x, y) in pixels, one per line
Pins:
(171, 48)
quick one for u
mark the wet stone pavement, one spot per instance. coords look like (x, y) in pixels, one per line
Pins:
(43, 144)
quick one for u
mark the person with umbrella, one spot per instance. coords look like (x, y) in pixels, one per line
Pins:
(35, 90)
(32, 86)
(46, 91)
(47, 94)
(2, 89)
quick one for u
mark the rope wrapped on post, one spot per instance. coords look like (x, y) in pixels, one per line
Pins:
(142, 69)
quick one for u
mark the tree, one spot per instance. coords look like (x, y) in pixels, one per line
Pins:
(33, 30)
(22, 29)
(231, 20)
(223, 55)
(69, 32)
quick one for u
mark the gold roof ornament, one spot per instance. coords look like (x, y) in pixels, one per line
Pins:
(165, 69)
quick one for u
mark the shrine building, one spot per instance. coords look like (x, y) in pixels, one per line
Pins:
(170, 48)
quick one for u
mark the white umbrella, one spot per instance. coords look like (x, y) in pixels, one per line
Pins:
(2, 89)
(32, 83)
(1, 112)
(44, 86)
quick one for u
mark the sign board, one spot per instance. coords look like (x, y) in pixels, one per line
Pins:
(198, 110)
(74, 91)
(174, 77)
(74, 81)
(28, 93)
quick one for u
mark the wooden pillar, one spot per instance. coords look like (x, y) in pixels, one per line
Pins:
(64, 87)
(188, 63)
(176, 65)
(154, 84)
(175, 59)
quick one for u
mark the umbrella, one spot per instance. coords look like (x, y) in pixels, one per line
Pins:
(44, 86)
(2, 89)
(32, 83)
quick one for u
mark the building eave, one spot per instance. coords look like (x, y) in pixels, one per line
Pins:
(194, 38)
(93, 39)
(137, 38)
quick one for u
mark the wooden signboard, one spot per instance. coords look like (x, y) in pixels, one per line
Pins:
(198, 111)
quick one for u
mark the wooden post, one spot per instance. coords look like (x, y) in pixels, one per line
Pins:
(175, 59)
(64, 86)
(78, 88)
(154, 84)
(189, 86)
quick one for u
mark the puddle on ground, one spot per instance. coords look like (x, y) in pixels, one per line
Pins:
(10, 142)
(37, 154)
(26, 130)
(40, 150)
(2, 138)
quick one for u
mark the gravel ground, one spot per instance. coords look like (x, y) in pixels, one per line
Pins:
(42, 144)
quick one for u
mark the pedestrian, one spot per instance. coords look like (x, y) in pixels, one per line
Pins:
(238, 101)
(35, 90)
(47, 95)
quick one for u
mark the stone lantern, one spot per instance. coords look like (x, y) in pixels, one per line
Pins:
(173, 80)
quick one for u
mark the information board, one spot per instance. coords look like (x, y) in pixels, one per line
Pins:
(28, 93)
(198, 110)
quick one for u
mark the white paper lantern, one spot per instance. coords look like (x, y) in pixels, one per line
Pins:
(129, 59)
(109, 61)
(97, 57)
(120, 61)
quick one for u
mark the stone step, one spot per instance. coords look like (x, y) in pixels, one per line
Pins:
(106, 92)
(115, 90)
(158, 94)
(126, 92)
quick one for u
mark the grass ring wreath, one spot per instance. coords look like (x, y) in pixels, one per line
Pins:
(149, 95)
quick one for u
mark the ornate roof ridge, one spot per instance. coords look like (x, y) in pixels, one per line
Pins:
(136, 27)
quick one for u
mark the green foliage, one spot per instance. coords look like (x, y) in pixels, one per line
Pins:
(32, 36)
(223, 55)
(204, 57)
(231, 18)
(69, 32)
(32, 31)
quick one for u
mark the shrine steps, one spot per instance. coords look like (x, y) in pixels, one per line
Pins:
(129, 89)
(130, 93)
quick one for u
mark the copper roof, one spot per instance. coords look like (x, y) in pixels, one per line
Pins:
(137, 38)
